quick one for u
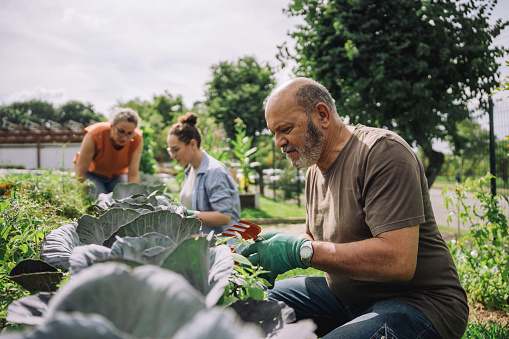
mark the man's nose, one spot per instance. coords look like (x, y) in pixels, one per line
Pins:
(280, 140)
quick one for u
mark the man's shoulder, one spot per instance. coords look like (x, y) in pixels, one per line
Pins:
(373, 135)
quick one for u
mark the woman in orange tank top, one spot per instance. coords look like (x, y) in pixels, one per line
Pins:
(111, 151)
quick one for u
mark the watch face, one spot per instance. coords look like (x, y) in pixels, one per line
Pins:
(306, 252)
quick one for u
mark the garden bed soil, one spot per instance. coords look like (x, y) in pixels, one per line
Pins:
(480, 314)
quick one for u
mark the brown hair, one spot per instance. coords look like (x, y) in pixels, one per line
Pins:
(185, 129)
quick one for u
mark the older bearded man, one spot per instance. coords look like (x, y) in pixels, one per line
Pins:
(370, 227)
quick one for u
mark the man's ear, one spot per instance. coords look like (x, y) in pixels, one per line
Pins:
(324, 114)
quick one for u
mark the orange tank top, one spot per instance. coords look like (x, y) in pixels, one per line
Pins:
(107, 160)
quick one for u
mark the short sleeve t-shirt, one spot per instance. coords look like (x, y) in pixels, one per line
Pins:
(377, 184)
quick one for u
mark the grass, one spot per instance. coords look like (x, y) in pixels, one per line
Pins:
(270, 208)
(487, 331)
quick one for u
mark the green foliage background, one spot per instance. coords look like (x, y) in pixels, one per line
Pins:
(410, 66)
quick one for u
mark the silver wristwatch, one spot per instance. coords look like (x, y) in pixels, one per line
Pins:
(306, 253)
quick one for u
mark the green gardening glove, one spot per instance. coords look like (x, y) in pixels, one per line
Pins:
(278, 253)
(189, 213)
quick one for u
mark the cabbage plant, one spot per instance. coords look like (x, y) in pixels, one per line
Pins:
(139, 270)
(112, 300)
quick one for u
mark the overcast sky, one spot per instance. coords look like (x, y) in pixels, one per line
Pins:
(103, 51)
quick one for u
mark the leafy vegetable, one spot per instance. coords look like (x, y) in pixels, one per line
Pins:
(36, 275)
(164, 306)
(206, 269)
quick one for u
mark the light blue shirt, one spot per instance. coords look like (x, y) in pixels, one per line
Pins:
(215, 190)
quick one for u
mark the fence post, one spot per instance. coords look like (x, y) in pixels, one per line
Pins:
(493, 169)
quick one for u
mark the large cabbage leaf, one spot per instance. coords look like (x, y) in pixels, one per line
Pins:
(163, 222)
(36, 275)
(222, 265)
(92, 230)
(151, 248)
(163, 305)
(218, 324)
(207, 324)
(87, 255)
(57, 246)
(146, 301)
(206, 269)
(75, 326)
(117, 222)
(30, 309)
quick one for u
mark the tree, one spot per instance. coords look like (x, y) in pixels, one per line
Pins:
(412, 66)
(469, 146)
(168, 106)
(79, 112)
(238, 90)
(40, 111)
(34, 110)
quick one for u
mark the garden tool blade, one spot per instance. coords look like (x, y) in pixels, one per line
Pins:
(247, 230)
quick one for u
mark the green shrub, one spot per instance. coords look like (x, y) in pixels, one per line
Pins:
(148, 162)
(482, 255)
(30, 207)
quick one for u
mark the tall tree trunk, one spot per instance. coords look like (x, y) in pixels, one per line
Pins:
(259, 170)
(436, 160)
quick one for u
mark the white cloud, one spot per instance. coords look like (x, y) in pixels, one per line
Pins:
(55, 95)
(104, 51)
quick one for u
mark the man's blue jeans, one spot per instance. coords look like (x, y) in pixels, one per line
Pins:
(103, 184)
(311, 298)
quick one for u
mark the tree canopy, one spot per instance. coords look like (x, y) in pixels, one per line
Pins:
(157, 115)
(238, 90)
(412, 66)
(41, 111)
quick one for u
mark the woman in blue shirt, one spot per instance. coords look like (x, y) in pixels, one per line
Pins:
(209, 190)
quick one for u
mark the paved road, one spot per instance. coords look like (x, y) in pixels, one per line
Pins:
(441, 211)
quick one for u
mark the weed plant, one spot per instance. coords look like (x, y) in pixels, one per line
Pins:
(30, 207)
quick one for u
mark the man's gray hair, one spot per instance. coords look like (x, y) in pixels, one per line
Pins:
(125, 114)
(308, 95)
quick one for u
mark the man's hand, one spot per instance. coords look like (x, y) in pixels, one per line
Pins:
(278, 253)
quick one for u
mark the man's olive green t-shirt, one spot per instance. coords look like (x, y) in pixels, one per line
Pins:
(377, 184)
